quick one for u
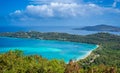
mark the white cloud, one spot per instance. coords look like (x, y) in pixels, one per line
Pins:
(115, 3)
(17, 12)
(61, 10)
(40, 11)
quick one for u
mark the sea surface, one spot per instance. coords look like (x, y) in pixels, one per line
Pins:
(50, 49)
(60, 29)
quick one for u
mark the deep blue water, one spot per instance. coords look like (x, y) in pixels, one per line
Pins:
(49, 49)
(61, 29)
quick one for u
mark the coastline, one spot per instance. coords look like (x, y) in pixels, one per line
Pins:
(86, 55)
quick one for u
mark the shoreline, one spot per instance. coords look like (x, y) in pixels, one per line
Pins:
(85, 56)
(79, 57)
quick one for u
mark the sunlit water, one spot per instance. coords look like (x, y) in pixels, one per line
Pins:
(49, 49)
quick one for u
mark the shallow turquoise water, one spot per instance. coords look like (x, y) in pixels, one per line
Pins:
(49, 49)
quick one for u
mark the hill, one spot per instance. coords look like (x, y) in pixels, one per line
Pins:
(100, 28)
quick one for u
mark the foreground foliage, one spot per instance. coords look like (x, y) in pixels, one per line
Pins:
(16, 62)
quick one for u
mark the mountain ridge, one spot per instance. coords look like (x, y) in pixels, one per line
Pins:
(101, 27)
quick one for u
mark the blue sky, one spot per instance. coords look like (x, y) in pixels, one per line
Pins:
(59, 12)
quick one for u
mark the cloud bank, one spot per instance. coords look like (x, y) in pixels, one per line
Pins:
(62, 10)
(42, 9)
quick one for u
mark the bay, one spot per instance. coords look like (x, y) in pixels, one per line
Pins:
(50, 49)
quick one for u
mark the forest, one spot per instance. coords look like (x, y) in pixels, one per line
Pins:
(16, 62)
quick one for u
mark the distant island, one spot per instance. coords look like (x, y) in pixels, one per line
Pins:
(101, 27)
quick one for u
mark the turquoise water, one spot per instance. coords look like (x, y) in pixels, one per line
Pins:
(49, 49)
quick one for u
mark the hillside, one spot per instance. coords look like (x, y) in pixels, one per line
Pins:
(100, 28)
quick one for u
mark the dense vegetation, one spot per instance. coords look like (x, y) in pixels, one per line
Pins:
(103, 59)
(16, 62)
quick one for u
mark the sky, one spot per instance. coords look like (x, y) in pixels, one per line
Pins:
(59, 12)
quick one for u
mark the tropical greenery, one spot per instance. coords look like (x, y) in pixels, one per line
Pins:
(105, 59)
(16, 62)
